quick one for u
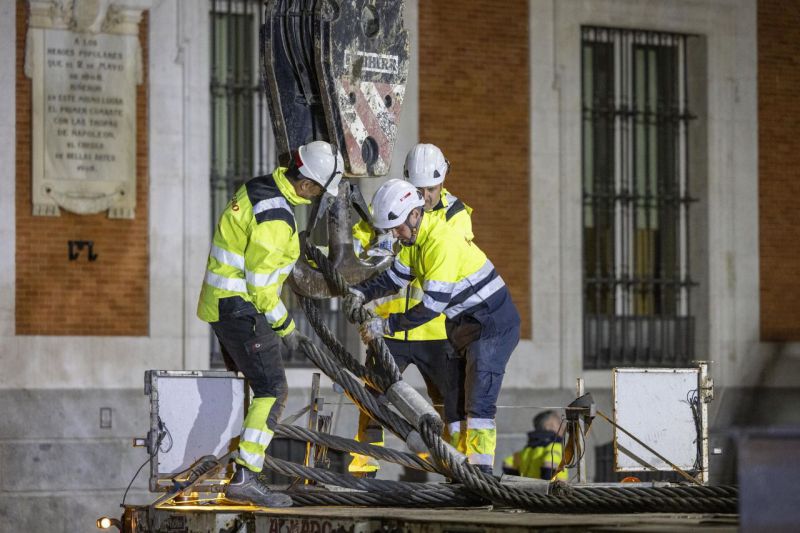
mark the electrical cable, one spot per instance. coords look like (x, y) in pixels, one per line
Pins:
(693, 399)
(162, 433)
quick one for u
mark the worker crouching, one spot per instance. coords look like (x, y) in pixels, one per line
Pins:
(542, 455)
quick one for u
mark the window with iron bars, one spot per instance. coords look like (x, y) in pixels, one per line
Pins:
(242, 142)
(635, 173)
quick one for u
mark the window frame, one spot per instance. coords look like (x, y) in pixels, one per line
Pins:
(636, 279)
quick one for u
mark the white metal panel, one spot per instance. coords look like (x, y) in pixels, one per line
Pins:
(203, 416)
(654, 405)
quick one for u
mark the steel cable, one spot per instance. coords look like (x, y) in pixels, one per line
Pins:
(378, 381)
(355, 391)
(349, 445)
(596, 500)
(380, 352)
(404, 491)
(383, 499)
(679, 491)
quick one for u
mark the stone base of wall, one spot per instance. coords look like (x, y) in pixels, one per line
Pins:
(60, 471)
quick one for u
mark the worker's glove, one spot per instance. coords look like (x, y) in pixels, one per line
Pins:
(292, 340)
(372, 329)
(352, 303)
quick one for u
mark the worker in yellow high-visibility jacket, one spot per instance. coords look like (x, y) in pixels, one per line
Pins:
(254, 249)
(542, 455)
(458, 280)
(425, 346)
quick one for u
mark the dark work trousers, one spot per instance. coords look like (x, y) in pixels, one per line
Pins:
(442, 372)
(485, 337)
(251, 347)
(486, 360)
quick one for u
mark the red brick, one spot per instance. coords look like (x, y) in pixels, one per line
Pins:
(55, 296)
(474, 105)
(779, 159)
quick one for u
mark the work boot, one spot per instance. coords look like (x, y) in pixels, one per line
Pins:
(246, 487)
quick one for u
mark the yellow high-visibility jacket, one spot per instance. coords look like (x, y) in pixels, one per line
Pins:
(457, 280)
(539, 459)
(254, 249)
(455, 214)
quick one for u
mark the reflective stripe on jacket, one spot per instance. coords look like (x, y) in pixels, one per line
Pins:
(456, 277)
(455, 214)
(253, 251)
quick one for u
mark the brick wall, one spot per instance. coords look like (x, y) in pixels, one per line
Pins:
(473, 104)
(779, 161)
(55, 296)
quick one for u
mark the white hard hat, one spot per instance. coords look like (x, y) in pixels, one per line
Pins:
(393, 202)
(425, 166)
(318, 162)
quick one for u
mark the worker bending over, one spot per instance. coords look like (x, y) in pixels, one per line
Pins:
(542, 455)
(425, 346)
(458, 280)
(254, 249)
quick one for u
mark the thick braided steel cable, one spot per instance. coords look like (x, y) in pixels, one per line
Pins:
(440, 492)
(375, 379)
(379, 350)
(471, 477)
(655, 499)
(666, 490)
(386, 417)
(382, 499)
(401, 493)
(363, 399)
(355, 391)
(687, 491)
(349, 445)
(489, 487)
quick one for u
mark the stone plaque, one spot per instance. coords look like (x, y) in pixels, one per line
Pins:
(84, 116)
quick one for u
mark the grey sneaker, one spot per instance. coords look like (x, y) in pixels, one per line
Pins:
(246, 487)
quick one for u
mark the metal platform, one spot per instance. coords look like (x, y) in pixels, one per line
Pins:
(239, 519)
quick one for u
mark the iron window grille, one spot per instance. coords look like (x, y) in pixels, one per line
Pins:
(635, 177)
(242, 142)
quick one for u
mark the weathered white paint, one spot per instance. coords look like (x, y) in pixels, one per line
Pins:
(8, 143)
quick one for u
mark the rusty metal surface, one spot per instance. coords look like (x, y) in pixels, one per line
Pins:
(308, 281)
(354, 519)
(336, 71)
(363, 62)
(289, 75)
